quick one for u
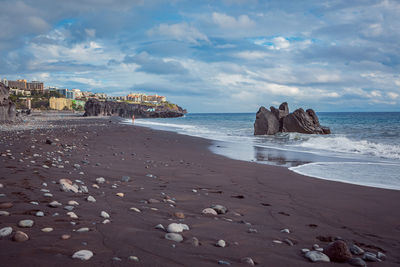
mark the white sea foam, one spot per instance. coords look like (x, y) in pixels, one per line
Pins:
(345, 145)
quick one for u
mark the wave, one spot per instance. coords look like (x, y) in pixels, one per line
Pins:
(345, 145)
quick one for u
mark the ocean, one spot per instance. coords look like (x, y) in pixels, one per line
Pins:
(363, 149)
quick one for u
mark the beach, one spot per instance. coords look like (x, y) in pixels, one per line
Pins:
(170, 174)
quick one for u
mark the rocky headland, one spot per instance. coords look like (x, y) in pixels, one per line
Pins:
(273, 121)
(8, 110)
(94, 107)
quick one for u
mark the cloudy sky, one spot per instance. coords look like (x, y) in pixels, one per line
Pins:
(211, 55)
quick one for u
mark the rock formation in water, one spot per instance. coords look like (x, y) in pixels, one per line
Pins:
(8, 110)
(270, 122)
(94, 107)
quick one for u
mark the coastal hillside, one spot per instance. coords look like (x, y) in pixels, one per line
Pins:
(94, 107)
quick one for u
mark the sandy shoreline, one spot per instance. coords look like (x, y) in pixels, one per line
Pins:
(261, 197)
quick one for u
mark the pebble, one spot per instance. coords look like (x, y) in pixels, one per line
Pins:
(39, 214)
(368, 256)
(219, 209)
(357, 262)
(120, 194)
(65, 237)
(195, 242)
(6, 231)
(106, 221)
(174, 237)
(252, 230)
(159, 226)
(69, 208)
(221, 243)
(177, 227)
(116, 259)
(315, 256)
(83, 255)
(55, 204)
(91, 199)
(25, 223)
(20, 237)
(381, 256)
(135, 209)
(100, 180)
(72, 215)
(277, 241)
(289, 242)
(221, 262)
(315, 246)
(133, 258)
(95, 186)
(47, 229)
(83, 230)
(105, 215)
(304, 250)
(48, 195)
(287, 231)
(45, 166)
(153, 201)
(209, 211)
(73, 203)
(319, 249)
(67, 186)
(125, 178)
(34, 203)
(248, 261)
(4, 213)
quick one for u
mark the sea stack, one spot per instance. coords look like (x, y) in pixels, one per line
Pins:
(7, 107)
(273, 121)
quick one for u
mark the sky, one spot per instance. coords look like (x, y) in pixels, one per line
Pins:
(210, 55)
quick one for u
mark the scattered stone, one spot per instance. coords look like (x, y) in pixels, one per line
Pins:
(252, 231)
(34, 203)
(179, 215)
(315, 246)
(357, 262)
(106, 221)
(65, 237)
(381, 256)
(48, 195)
(72, 215)
(209, 211)
(195, 242)
(219, 209)
(174, 237)
(177, 227)
(356, 250)
(153, 201)
(125, 178)
(73, 203)
(77, 166)
(315, 256)
(55, 204)
(304, 250)
(6, 231)
(338, 251)
(91, 199)
(277, 241)
(67, 186)
(69, 208)
(286, 231)
(135, 209)
(20, 236)
(120, 194)
(248, 261)
(45, 166)
(116, 259)
(319, 249)
(105, 215)
(6, 205)
(289, 242)
(95, 186)
(25, 223)
(83, 230)
(221, 243)
(4, 213)
(159, 226)
(133, 258)
(221, 262)
(83, 189)
(47, 229)
(83, 255)
(369, 256)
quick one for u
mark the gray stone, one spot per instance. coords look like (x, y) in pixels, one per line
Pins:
(266, 123)
(105, 215)
(356, 250)
(125, 178)
(177, 227)
(160, 226)
(221, 262)
(133, 258)
(69, 208)
(195, 242)
(381, 256)
(357, 262)
(369, 256)
(4, 213)
(174, 237)
(55, 204)
(91, 199)
(83, 255)
(219, 209)
(26, 223)
(221, 243)
(6, 231)
(39, 214)
(316, 256)
(248, 261)
(100, 180)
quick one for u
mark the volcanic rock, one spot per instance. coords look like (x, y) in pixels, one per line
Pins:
(338, 251)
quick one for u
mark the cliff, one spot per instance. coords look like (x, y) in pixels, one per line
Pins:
(94, 107)
(270, 122)
(8, 110)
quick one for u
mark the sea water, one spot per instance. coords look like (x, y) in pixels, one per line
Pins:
(364, 148)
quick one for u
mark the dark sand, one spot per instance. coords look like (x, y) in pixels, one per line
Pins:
(270, 198)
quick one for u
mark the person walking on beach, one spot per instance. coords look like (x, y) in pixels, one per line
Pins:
(133, 118)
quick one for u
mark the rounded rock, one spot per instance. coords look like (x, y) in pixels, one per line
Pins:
(25, 223)
(83, 255)
(209, 211)
(4, 213)
(65, 237)
(20, 236)
(6, 231)
(6, 205)
(316, 256)
(221, 243)
(248, 261)
(47, 229)
(338, 251)
(219, 209)
(91, 199)
(174, 237)
(105, 215)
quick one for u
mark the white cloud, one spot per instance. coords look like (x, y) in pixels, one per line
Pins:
(252, 55)
(392, 95)
(279, 43)
(179, 31)
(228, 22)
(91, 32)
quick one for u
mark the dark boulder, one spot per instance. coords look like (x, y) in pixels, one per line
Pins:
(299, 121)
(338, 251)
(94, 107)
(8, 110)
(266, 122)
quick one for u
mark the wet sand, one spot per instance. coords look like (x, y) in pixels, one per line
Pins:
(267, 198)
